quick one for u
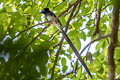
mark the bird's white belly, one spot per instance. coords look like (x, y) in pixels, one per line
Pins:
(50, 18)
(55, 23)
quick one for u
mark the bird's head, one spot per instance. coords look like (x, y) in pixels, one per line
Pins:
(45, 10)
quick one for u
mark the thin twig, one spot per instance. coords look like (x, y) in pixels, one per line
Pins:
(52, 35)
(36, 37)
(99, 38)
(30, 28)
(96, 30)
(106, 6)
(41, 3)
(48, 3)
(63, 76)
(67, 13)
(58, 4)
(96, 10)
(57, 55)
(77, 10)
(68, 8)
(76, 67)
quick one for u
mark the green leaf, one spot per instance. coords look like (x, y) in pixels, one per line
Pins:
(117, 53)
(74, 34)
(64, 68)
(8, 2)
(82, 35)
(118, 68)
(115, 3)
(77, 25)
(68, 56)
(99, 45)
(96, 54)
(79, 72)
(98, 65)
(38, 17)
(100, 76)
(43, 70)
(119, 34)
(3, 19)
(70, 50)
(62, 20)
(63, 61)
(28, 9)
(44, 37)
(60, 7)
(76, 42)
(101, 70)
(9, 9)
(44, 3)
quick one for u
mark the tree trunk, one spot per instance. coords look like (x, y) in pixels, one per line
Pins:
(113, 42)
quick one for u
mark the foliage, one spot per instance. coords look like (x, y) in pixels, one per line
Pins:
(24, 59)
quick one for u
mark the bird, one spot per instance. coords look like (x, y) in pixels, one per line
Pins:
(52, 17)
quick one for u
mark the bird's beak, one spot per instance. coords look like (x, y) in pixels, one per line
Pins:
(42, 11)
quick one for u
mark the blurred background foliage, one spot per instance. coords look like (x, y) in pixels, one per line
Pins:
(22, 60)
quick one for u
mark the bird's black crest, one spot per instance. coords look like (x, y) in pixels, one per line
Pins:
(45, 10)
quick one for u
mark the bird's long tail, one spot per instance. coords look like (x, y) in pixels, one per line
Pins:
(75, 51)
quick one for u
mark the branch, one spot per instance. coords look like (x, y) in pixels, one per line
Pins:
(99, 38)
(68, 8)
(62, 76)
(78, 9)
(96, 30)
(113, 42)
(36, 36)
(58, 4)
(30, 28)
(53, 35)
(57, 55)
(76, 67)
(96, 10)
(106, 6)
(48, 3)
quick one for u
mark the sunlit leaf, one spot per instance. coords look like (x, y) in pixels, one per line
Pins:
(64, 68)
(63, 61)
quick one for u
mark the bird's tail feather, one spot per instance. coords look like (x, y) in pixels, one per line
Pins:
(76, 52)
